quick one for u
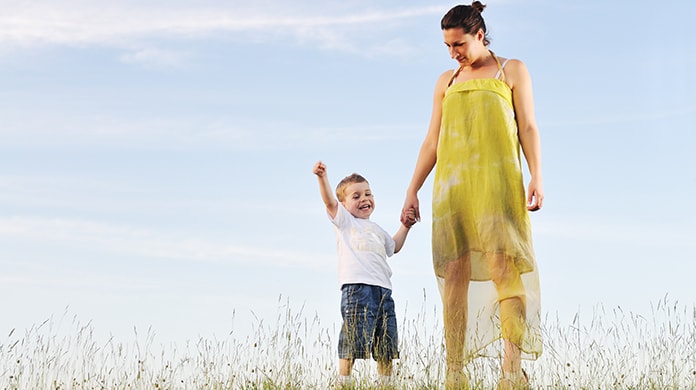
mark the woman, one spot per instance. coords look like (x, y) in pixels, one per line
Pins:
(482, 245)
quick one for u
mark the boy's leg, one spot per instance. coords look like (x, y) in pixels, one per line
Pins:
(385, 367)
(344, 382)
(384, 370)
(352, 343)
(386, 338)
(386, 342)
(386, 335)
(345, 370)
(345, 367)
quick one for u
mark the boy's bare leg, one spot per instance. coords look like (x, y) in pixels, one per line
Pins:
(345, 367)
(385, 368)
(455, 305)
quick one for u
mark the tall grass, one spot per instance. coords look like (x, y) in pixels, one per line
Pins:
(612, 349)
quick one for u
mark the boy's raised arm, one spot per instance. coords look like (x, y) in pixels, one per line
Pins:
(325, 189)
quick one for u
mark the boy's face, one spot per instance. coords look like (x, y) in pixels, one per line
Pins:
(358, 200)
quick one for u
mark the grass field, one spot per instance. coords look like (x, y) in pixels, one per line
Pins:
(611, 350)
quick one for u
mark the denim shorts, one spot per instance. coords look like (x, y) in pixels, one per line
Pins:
(369, 323)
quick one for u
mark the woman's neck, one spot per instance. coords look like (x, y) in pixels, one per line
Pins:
(483, 60)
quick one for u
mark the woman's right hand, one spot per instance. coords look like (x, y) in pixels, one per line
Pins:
(410, 205)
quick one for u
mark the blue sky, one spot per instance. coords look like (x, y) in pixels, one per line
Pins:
(155, 157)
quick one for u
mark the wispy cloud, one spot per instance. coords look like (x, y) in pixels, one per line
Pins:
(135, 241)
(74, 129)
(30, 24)
(154, 56)
(65, 129)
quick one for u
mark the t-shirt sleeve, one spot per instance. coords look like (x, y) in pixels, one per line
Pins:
(341, 216)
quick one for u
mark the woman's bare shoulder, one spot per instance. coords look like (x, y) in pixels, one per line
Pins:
(513, 64)
(446, 75)
(515, 70)
(443, 81)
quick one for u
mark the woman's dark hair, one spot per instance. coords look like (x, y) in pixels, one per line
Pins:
(468, 18)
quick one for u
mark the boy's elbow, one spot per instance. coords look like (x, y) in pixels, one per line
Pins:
(332, 209)
(398, 247)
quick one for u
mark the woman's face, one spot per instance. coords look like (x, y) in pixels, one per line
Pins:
(463, 47)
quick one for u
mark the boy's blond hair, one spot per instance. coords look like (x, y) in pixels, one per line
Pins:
(348, 180)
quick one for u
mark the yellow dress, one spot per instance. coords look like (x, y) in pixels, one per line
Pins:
(479, 209)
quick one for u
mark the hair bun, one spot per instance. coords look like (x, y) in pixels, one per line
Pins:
(478, 6)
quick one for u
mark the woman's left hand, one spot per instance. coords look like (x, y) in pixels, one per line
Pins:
(535, 195)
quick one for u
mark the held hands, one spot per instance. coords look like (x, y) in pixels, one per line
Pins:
(410, 214)
(408, 217)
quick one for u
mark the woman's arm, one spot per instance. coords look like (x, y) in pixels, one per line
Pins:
(428, 151)
(523, 101)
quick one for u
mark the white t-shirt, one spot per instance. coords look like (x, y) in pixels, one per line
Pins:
(363, 248)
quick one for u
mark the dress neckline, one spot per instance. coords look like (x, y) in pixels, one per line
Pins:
(500, 76)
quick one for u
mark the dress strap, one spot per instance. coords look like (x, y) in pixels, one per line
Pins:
(455, 73)
(500, 75)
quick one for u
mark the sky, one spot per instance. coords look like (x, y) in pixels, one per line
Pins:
(156, 156)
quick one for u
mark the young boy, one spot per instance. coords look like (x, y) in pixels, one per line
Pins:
(367, 308)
